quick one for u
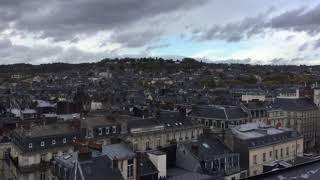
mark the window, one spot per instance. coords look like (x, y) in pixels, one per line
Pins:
(107, 130)
(53, 142)
(192, 136)
(54, 155)
(270, 154)
(30, 145)
(147, 145)
(42, 176)
(42, 143)
(43, 157)
(64, 140)
(281, 152)
(100, 131)
(159, 142)
(264, 157)
(287, 151)
(130, 168)
(276, 153)
(254, 159)
(74, 138)
(114, 129)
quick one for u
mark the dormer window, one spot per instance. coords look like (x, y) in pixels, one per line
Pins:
(107, 130)
(64, 140)
(74, 139)
(30, 145)
(100, 131)
(42, 143)
(53, 142)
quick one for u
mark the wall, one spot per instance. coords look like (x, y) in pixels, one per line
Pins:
(257, 168)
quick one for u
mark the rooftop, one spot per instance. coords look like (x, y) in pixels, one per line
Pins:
(219, 112)
(46, 130)
(118, 151)
(259, 134)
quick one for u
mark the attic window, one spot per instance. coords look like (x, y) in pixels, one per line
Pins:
(168, 125)
(176, 124)
(107, 130)
(100, 131)
(42, 143)
(64, 140)
(53, 142)
(180, 123)
(30, 145)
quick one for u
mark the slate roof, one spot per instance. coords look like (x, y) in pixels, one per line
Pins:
(174, 119)
(118, 151)
(219, 112)
(96, 168)
(208, 148)
(260, 135)
(147, 167)
(301, 104)
(47, 130)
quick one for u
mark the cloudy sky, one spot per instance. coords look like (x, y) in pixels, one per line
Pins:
(248, 31)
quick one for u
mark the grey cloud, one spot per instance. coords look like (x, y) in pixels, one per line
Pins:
(306, 20)
(10, 53)
(234, 31)
(62, 20)
(317, 44)
(299, 20)
(158, 46)
(303, 47)
(290, 37)
(133, 39)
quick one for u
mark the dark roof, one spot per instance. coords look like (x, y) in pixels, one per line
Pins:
(47, 130)
(118, 151)
(301, 104)
(140, 122)
(219, 112)
(255, 105)
(207, 148)
(174, 119)
(99, 168)
(147, 167)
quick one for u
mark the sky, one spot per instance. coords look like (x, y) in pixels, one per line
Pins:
(230, 31)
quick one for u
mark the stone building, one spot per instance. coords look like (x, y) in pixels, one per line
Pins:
(209, 156)
(303, 116)
(260, 145)
(219, 118)
(33, 149)
(168, 128)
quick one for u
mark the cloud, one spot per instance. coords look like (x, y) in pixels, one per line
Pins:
(11, 53)
(158, 46)
(303, 47)
(317, 44)
(62, 20)
(298, 20)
